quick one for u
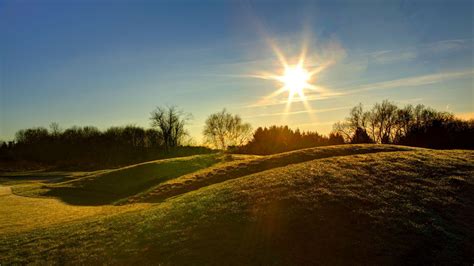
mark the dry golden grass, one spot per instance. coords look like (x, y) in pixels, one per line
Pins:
(108, 186)
(19, 214)
(414, 206)
(245, 165)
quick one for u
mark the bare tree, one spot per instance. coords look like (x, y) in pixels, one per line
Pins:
(383, 119)
(55, 129)
(386, 123)
(357, 120)
(379, 123)
(342, 129)
(405, 118)
(170, 121)
(223, 129)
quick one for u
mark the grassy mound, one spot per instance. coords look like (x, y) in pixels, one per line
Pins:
(380, 208)
(18, 214)
(106, 187)
(251, 165)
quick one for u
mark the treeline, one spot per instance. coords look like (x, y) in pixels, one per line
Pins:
(90, 148)
(276, 139)
(418, 126)
(384, 123)
(225, 131)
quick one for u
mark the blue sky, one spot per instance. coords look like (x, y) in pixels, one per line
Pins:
(106, 63)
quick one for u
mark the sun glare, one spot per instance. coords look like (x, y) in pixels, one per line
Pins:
(295, 80)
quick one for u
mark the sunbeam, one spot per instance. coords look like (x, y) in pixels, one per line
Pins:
(296, 79)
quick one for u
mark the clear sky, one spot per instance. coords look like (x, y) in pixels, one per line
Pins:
(107, 63)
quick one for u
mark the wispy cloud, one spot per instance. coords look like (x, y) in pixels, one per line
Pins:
(447, 45)
(321, 96)
(387, 57)
(300, 112)
(411, 53)
(411, 81)
(384, 85)
(328, 123)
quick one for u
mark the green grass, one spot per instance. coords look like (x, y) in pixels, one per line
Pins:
(413, 206)
(18, 214)
(109, 186)
(250, 165)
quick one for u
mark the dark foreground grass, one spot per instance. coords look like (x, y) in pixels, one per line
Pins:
(410, 207)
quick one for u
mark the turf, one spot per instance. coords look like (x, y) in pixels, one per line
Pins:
(249, 165)
(109, 186)
(18, 214)
(412, 207)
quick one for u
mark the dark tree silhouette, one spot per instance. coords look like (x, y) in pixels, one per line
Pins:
(441, 134)
(170, 122)
(89, 148)
(277, 139)
(335, 139)
(361, 136)
(415, 126)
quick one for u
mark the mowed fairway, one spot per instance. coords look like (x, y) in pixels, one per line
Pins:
(24, 213)
(110, 186)
(39, 199)
(386, 205)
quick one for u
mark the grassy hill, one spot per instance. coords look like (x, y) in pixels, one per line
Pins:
(107, 186)
(350, 204)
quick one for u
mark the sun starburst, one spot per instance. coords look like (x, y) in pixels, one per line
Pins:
(295, 79)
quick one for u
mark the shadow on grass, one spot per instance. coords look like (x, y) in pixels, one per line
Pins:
(116, 185)
(34, 177)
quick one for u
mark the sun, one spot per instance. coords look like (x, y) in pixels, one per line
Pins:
(295, 79)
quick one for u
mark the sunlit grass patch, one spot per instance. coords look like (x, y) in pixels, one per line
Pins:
(25, 213)
(249, 165)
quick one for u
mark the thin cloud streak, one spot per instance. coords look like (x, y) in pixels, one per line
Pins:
(315, 124)
(403, 82)
(300, 112)
(322, 96)
(411, 53)
(411, 81)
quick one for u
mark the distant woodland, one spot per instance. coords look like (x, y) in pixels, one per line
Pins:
(89, 148)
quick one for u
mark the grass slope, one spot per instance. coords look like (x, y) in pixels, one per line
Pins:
(250, 165)
(107, 187)
(379, 208)
(18, 214)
